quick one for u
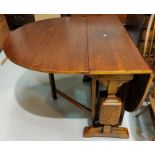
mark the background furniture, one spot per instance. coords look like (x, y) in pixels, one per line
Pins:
(149, 55)
(17, 20)
(11, 22)
(135, 24)
(4, 31)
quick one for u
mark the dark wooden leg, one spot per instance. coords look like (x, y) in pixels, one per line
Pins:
(53, 87)
(93, 97)
(55, 91)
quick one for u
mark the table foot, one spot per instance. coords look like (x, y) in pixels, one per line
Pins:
(106, 131)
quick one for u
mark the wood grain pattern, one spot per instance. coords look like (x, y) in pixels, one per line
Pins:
(110, 111)
(54, 45)
(112, 106)
(92, 45)
(121, 17)
(116, 132)
(111, 51)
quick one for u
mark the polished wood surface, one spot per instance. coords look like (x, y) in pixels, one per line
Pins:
(110, 48)
(121, 17)
(91, 45)
(55, 45)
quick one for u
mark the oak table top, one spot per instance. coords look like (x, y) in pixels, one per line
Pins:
(88, 45)
(98, 46)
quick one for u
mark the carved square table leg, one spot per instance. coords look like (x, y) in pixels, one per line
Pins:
(110, 108)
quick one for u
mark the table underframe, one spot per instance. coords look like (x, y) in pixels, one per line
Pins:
(106, 114)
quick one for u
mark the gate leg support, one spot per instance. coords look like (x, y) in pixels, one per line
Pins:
(53, 87)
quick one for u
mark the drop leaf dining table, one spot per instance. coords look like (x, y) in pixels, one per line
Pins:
(96, 46)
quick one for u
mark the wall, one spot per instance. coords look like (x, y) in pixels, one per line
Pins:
(45, 16)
